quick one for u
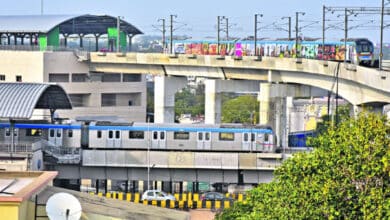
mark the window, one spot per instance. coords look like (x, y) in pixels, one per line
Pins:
(180, 135)
(33, 132)
(2, 77)
(110, 134)
(136, 135)
(266, 137)
(226, 136)
(200, 136)
(162, 135)
(108, 100)
(131, 77)
(18, 78)
(51, 133)
(245, 137)
(253, 137)
(155, 135)
(117, 134)
(207, 136)
(111, 77)
(99, 134)
(7, 132)
(70, 133)
(58, 77)
(79, 77)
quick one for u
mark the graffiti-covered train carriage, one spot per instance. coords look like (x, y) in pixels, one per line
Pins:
(357, 51)
(184, 137)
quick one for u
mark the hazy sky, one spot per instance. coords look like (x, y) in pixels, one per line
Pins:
(197, 18)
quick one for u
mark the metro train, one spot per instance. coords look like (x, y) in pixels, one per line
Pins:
(357, 51)
(109, 135)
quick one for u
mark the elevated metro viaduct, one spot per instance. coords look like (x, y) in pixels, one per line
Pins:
(276, 80)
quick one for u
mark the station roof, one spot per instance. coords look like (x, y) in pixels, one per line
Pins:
(68, 24)
(18, 100)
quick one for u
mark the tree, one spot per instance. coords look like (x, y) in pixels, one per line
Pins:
(345, 177)
(243, 109)
(191, 102)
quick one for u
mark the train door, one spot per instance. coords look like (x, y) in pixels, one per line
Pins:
(55, 136)
(248, 141)
(159, 139)
(114, 139)
(7, 136)
(203, 140)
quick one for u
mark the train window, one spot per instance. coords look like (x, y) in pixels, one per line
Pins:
(180, 135)
(253, 137)
(59, 133)
(33, 132)
(110, 134)
(7, 132)
(117, 134)
(266, 137)
(136, 135)
(70, 133)
(245, 137)
(162, 135)
(200, 136)
(207, 136)
(51, 133)
(226, 136)
(99, 134)
(155, 135)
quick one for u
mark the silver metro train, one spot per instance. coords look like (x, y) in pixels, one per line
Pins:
(109, 135)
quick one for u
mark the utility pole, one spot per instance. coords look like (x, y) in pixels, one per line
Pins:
(296, 32)
(227, 28)
(118, 20)
(345, 34)
(256, 29)
(163, 33)
(323, 32)
(171, 40)
(41, 7)
(289, 27)
(381, 40)
(218, 30)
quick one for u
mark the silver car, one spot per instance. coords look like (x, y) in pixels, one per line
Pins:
(155, 194)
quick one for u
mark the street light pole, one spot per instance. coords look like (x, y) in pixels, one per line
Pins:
(163, 33)
(172, 16)
(148, 156)
(345, 33)
(227, 28)
(381, 40)
(296, 33)
(323, 32)
(256, 29)
(289, 27)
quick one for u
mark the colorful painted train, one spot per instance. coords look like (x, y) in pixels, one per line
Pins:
(357, 51)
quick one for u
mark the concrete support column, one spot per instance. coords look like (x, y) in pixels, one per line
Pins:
(354, 110)
(280, 121)
(289, 108)
(164, 97)
(212, 102)
(264, 98)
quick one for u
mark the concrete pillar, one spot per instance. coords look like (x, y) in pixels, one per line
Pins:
(354, 111)
(164, 97)
(289, 108)
(264, 98)
(212, 102)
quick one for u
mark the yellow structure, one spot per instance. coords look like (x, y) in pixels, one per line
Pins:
(16, 189)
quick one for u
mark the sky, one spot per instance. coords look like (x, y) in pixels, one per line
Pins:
(198, 18)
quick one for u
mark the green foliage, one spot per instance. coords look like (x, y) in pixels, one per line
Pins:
(189, 102)
(345, 177)
(243, 109)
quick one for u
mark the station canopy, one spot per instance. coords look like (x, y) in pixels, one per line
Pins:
(18, 100)
(67, 24)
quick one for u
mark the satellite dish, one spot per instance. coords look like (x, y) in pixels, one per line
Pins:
(63, 206)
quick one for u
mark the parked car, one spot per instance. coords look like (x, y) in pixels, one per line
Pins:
(212, 196)
(155, 194)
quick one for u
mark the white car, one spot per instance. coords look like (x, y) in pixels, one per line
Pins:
(155, 194)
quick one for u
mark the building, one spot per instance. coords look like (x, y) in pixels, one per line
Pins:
(35, 49)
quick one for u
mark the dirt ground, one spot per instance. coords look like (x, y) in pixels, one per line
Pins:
(201, 214)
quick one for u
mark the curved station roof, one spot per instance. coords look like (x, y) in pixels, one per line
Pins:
(18, 100)
(68, 24)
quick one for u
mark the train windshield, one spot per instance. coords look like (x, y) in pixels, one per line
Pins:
(364, 47)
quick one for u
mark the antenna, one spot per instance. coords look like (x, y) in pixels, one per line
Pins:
(63, 206)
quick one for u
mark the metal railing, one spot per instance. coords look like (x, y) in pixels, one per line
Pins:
(18, 148)
(63, 155)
